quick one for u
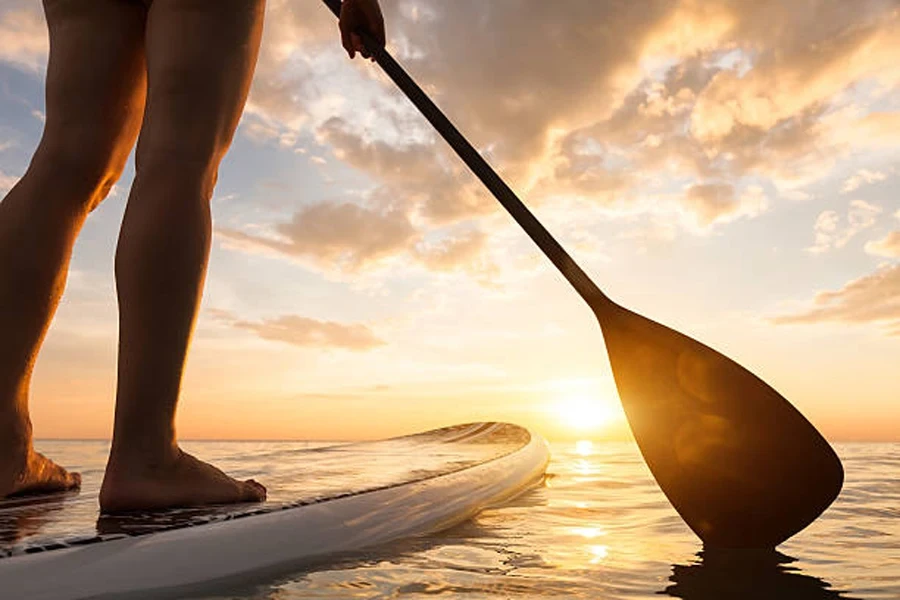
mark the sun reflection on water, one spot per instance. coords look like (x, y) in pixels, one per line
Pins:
(598, 553)
(588, 532)
(584, 447)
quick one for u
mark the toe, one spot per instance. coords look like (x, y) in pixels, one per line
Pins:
(254, 491)
(74, 481)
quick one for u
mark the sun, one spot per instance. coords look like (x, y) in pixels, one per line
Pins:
(584, 412)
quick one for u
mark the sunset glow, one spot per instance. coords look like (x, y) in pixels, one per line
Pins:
(585, 413)
(729, 169)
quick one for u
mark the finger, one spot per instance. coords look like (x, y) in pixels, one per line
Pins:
(360, 46)
(375, 23)
(347, 25)
(346, 40)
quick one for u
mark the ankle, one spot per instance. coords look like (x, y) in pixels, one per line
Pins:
(142, 455)
(15, 430)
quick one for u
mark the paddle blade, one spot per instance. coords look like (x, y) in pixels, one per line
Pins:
(741, 465)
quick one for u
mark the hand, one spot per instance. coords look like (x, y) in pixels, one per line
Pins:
(360, 16)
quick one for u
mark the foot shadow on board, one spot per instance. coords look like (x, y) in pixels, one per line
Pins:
(746, 575)
(146, 522)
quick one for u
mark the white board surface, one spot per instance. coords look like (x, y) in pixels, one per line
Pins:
(345, 498)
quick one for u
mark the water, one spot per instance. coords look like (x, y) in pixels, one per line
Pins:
(598, 528)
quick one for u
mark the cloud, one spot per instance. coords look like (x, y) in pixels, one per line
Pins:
(609, 103)
(888, 247)
(349, 238)
(410, 174)
(716, 202)
(344, 236)
(446, 255)
(416, 187)
(510, 73)
(465, 251)
(23, 39)
(511, 110)
(799, 69)
(288, 68)
(764, 99)
(306, 332)
(710, 201)
(582, 167)
(830, 233)
(877, 130)
(300, 331)
(861, 177)
(826, 227)
(874, 298)
(750, 89)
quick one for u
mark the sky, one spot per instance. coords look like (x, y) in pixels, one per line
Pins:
(728, 168)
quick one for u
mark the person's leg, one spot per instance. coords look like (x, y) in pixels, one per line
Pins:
(200, 60)
(95, 98)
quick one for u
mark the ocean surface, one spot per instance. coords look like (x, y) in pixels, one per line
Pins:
(597, 528)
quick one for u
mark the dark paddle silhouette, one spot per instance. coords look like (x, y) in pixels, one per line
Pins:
(741, 465)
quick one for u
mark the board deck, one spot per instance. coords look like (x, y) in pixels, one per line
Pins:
(321, 501)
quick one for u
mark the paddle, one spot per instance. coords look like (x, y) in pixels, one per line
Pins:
(742, 467)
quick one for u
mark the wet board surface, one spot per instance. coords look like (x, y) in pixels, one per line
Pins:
(322, 501)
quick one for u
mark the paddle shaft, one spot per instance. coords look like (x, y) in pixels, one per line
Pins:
(469, 155)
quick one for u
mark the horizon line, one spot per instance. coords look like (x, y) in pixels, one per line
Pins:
(353, 440)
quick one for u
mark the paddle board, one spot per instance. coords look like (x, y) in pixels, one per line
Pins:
(322, 501)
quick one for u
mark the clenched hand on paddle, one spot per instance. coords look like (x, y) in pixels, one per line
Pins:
(356, 17)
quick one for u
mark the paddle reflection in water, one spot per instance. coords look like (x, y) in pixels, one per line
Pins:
(739, 575)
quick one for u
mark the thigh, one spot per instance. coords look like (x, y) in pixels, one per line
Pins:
(200, 60)
(96, 81)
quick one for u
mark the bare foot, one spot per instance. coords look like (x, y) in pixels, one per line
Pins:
(24, 471)
(180, 481)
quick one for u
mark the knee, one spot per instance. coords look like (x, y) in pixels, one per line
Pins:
(181, 171)
(84, 172)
